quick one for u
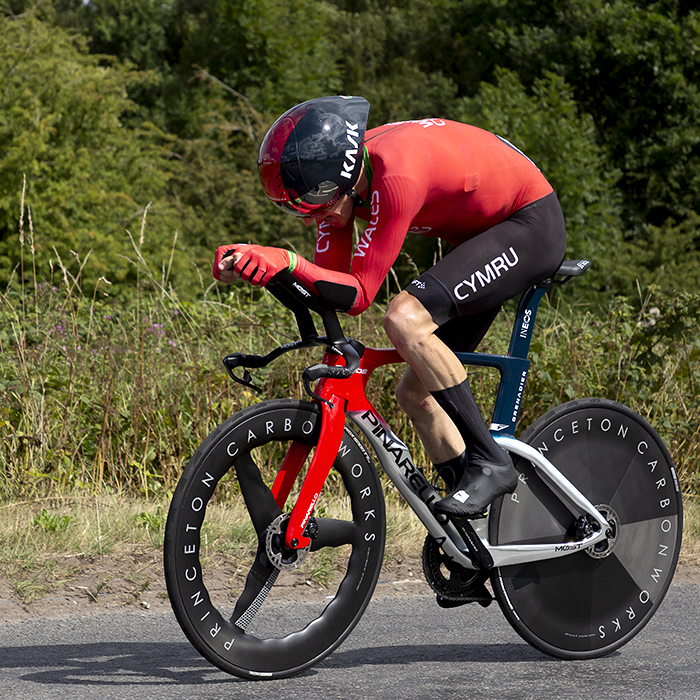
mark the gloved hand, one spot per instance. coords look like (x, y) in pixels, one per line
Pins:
(254, 263)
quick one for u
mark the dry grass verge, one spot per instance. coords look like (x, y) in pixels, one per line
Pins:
(84, 554)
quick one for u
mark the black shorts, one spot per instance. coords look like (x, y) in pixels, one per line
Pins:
(466, 289)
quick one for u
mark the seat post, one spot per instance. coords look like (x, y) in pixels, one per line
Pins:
(521, 336)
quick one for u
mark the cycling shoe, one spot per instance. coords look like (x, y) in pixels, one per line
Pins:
(480, 485)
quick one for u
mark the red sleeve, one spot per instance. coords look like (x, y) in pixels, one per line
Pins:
(393, 205)
(334, 247)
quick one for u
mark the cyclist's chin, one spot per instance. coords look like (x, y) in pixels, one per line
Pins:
(337, 220)
(334, 220)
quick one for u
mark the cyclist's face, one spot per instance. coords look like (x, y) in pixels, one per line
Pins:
(337, 215)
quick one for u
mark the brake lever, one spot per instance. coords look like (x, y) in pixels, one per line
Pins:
(231, 362)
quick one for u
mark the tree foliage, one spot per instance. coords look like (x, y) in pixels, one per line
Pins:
(88, 179)
(112, 106)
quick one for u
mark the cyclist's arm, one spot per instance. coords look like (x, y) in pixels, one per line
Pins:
(258, 265)
(334, 246)
(352, 284)
(375, 253)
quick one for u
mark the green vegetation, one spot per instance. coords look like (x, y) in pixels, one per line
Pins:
(128, 142)
(111, 109)
(114, 397)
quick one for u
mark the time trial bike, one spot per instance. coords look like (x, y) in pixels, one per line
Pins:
(579, 556)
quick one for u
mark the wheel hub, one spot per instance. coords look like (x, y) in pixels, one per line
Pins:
(281, 556)
(605, 547)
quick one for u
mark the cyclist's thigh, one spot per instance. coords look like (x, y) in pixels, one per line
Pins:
(487, 270)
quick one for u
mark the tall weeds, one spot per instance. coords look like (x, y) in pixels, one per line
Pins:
(644, 355)
(113, 395)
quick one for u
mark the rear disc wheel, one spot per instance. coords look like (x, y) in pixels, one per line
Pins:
(591, 602)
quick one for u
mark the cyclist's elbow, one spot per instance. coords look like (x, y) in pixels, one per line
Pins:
(361, 304)
(357, 310)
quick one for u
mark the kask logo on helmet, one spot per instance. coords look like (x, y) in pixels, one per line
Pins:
(351, 153)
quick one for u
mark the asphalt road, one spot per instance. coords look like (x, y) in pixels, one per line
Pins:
(404, 648)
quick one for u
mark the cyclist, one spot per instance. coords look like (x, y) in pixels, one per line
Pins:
(430, 177)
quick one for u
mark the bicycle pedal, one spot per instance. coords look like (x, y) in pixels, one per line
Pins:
(484, 600)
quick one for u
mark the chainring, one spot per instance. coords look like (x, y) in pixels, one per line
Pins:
(450, 580)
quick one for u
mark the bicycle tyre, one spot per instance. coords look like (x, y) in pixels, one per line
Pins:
(589, 603)
(277, 651)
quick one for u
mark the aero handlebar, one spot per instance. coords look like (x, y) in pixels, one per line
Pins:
(300, 301)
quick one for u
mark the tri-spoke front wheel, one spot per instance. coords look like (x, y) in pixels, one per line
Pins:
(243, 633)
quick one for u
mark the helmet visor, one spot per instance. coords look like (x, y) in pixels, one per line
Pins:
(299, 207)
(268, 165)
(288, 208)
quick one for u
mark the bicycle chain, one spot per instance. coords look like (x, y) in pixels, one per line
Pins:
(459, 585)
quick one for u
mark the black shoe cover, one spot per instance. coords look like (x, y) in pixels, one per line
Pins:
(451, 471)
(481, 484)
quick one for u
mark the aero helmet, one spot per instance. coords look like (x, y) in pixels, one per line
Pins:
(312, 155)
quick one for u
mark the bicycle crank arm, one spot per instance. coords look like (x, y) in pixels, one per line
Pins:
(480, 554)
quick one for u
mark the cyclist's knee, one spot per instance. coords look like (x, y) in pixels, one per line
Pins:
(407, 321)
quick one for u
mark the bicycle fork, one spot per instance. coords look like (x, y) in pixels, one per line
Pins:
(329, 441)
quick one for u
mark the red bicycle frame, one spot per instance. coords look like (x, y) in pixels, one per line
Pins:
(336, 397)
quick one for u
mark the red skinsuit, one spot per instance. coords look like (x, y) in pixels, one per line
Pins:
(431, 177)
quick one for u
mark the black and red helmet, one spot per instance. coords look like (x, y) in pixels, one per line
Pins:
(312, 155)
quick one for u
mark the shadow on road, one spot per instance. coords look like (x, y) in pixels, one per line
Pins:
(129, 663)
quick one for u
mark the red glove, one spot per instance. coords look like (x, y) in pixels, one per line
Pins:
(222, 252)
(257, 264)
